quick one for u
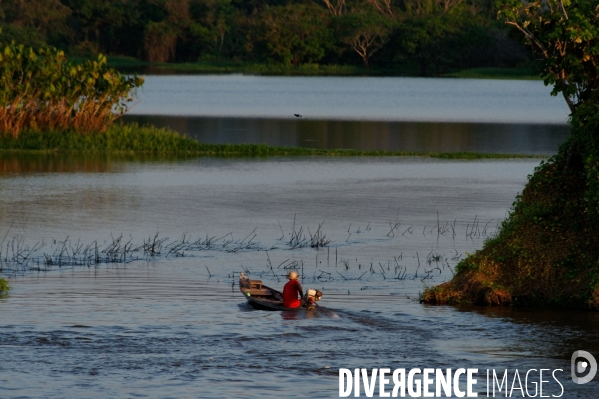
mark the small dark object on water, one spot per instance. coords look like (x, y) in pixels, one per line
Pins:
(298, 115)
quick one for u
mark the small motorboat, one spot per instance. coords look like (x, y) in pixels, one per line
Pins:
(266, 298)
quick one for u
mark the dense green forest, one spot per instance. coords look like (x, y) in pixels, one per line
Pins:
(428, 37)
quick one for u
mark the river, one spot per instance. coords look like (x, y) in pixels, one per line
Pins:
(174, 325)
(393, 114)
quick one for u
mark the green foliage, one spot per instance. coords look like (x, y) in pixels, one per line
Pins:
(448, 35)
(365, 31)
(290, 34)
(565, 35)
(4, 286)
(456, 39)
(547, 251)
(132, 138)
(41, 90)
(34, 22)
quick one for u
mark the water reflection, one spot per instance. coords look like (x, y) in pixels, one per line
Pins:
(15, 164)
(563, 330)
(542, 139)
(53, 163)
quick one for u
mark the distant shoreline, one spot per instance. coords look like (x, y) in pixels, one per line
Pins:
(132, 65)
(132, 138)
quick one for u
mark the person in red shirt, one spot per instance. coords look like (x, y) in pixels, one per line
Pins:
(291, 290)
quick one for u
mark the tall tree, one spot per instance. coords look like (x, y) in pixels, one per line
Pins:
(213, 21)
(335, 7)
(546, 252)
(565, 35)
(365, 31)
(291, 34)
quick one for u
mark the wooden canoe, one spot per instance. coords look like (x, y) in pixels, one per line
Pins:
(261, 296)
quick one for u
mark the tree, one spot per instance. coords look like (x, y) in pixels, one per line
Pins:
(213, 22)
(106, 26)
(427, 7)
(161, 37)
(35, 20)
(565, 35)
(335, 7)
(291, 34)
(365, 31)
(547, 251)
(439, 39)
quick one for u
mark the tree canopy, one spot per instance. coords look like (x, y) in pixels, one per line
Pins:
(564, 34)
(436, 36)
(547, 250)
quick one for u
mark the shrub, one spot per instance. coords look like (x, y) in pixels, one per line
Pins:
(41, 90)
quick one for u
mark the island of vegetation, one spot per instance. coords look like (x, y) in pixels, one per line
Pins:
(547, 251)
(307, 37)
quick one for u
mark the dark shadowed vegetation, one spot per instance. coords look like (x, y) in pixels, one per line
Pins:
(416, 37)
(547, 252)
(49, 105)
(133, 138)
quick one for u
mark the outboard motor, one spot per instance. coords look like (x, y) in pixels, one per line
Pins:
(312, 296)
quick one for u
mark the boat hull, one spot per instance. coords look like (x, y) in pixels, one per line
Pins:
(262, 297)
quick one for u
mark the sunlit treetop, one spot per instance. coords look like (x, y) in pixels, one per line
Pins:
(564, 34)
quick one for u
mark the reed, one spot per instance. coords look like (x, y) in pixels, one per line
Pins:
(17, 255)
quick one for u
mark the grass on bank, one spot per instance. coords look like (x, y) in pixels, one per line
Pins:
(133, 138)
(129, 64)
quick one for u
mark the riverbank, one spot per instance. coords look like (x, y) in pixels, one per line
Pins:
(546, 252)
(128, 65)
(132, 138)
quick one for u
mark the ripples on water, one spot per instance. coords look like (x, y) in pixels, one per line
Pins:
(165, 328)
(178, 327)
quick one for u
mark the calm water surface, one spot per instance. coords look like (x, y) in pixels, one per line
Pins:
(497, 138)
(176, 326)
(395, 114)
(352, 98)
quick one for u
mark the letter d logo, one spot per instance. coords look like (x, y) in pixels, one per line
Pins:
(581, 366)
